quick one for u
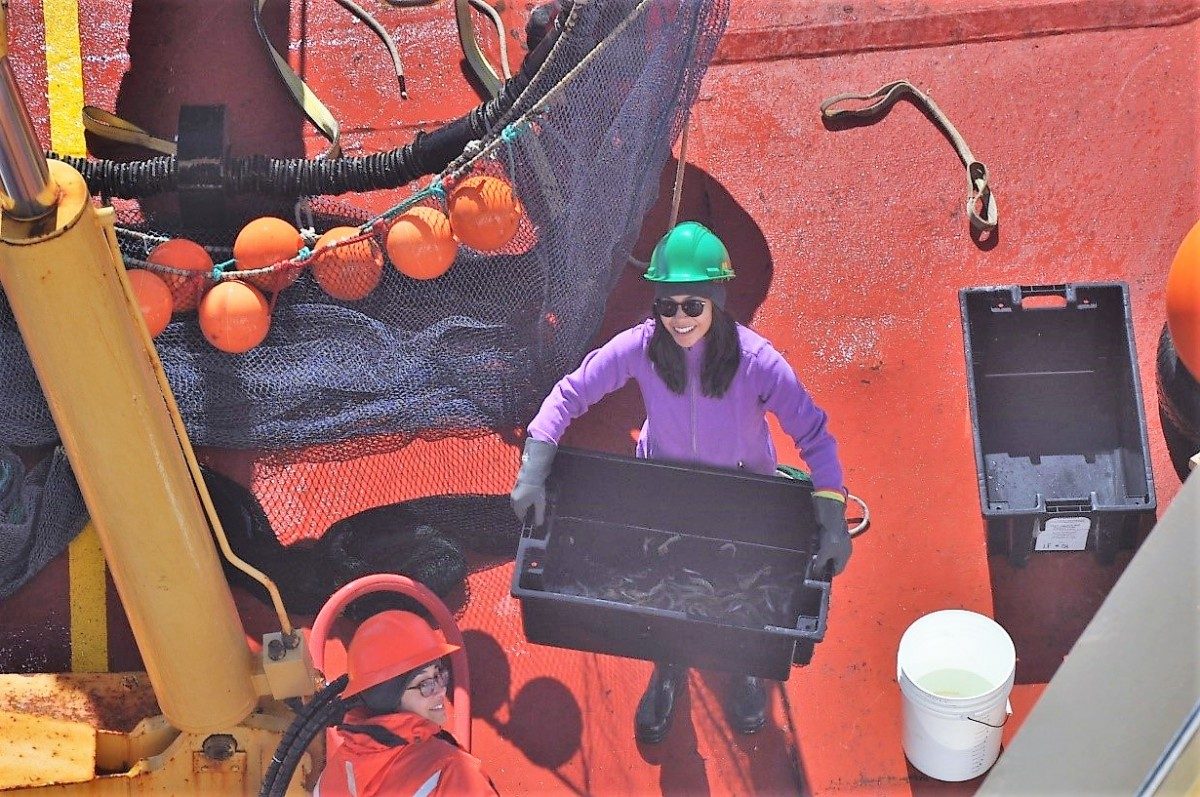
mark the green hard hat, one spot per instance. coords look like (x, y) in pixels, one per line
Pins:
(690, 252)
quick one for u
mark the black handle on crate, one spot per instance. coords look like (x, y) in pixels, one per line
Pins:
(1058, 289)
(1063, 291)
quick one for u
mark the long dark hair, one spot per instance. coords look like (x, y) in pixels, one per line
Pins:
(722, 355)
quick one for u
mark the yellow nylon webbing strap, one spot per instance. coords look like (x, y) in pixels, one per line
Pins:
(313, 108)
(981, 206)
(108, 125)
(479, 65)
(85, 560)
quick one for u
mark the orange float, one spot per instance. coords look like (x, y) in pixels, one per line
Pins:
(1183, 300)
(263, 242)
(180, 253)
(153, 298)
(347, 272)
(484, 213)
(420, 243)
(234, 317)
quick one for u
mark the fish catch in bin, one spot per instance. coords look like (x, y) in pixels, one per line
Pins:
(706, 567)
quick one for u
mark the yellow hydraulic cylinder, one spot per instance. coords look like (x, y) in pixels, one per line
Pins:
(100, 374)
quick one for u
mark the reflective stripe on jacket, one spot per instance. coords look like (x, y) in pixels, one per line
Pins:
(399, 754)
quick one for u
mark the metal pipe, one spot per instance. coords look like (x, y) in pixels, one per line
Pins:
(62, 273)
(29, 192)
(98, 368)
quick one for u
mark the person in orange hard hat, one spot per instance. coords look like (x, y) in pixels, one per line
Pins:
(392, 741)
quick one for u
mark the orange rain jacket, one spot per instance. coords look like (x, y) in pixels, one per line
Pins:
(399, 754)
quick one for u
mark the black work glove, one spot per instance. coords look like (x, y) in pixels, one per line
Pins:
(530, 490)
(834, 547)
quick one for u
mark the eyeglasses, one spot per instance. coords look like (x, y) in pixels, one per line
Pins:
(434, 683)
(668, 307)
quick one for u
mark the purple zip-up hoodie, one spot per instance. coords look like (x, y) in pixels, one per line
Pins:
(726, 432)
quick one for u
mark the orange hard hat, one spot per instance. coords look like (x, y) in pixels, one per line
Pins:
(388, 644)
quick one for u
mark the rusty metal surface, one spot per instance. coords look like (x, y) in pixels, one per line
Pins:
(183, 769)
(105, 701)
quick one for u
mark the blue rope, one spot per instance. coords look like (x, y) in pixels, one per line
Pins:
(434, 187)
(219, 269)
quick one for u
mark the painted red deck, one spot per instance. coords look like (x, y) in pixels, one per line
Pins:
(850, 246)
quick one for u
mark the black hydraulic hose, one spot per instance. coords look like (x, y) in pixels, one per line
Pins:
(429, 153)
(324, 709)
(276, 784)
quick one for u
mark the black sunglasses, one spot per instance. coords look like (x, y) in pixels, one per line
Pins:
(668, 307)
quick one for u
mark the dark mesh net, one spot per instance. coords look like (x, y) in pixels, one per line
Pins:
(415, 392)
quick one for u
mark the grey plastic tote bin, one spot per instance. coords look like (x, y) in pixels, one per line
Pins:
(1057, 416)
(615, 512)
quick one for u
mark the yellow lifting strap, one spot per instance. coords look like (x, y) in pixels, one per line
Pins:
(981, 207)
(484, 72)
(108, 125)
(312, 106)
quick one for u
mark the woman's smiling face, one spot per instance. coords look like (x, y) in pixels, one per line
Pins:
(433, 707)
(686, 330)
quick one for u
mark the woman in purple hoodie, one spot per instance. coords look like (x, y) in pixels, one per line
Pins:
(707, 383)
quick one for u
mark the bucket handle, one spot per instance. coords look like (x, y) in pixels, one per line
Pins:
(990, 725)
(1007, 716)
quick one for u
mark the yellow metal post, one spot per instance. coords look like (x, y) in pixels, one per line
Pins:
(67, 288)
(62, 272)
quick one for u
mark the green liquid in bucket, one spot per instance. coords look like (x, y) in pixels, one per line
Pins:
(955, 683)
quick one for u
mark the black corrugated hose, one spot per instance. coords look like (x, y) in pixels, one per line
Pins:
(325, 709)
(429, 153)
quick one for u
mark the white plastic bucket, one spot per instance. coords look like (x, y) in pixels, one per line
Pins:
(955, 670)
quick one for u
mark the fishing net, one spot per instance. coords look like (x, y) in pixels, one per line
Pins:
(413, 395)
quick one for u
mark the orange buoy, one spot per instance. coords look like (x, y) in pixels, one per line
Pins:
(1183, 300)
(234, 316)
(186, 255)
(484, 214)
(348, 272)
(420, 243)
(153, 297)
(263, 242)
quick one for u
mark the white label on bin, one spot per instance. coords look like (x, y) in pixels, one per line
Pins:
(1063, 534)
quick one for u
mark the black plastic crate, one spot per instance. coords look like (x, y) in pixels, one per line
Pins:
(608, 513)
(1056, 411)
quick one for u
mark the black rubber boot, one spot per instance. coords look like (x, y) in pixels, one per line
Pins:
(657, 706)
(746, 704)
